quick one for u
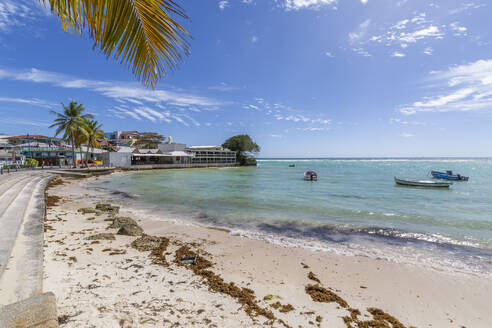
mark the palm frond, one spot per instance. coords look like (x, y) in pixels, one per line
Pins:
(140, 33)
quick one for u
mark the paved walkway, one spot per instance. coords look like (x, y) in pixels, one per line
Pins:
(22, 209)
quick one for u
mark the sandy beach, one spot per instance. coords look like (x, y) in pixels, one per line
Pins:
(233, 281)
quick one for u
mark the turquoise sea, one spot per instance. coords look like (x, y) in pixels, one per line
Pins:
(354, 208)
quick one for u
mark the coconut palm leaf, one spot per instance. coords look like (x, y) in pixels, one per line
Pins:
(140, 33)
(72, 123)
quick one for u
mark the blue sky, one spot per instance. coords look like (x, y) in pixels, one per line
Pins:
(305, 78)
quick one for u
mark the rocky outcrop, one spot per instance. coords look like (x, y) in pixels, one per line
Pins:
(121, 221)
(85, 210)
(107, 208)
(146, 243)
(130, 230)
(102, 236)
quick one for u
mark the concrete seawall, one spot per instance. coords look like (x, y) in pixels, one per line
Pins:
(22, 212)
(36, 312)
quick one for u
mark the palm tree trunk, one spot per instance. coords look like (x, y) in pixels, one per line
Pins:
(87, 153)
(74, 160)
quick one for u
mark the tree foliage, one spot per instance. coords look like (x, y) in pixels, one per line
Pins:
(73, 124)
(94, 133)
(147, 140)
(243, 145)
(142, 34)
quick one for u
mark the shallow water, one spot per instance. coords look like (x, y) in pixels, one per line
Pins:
(354, 208)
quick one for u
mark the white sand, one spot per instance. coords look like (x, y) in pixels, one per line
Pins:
(102, 290)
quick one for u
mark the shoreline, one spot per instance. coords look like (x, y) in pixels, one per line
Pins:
(434, 251)
(415, 296)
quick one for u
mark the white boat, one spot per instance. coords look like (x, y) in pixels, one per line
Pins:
(423, 183)
(310, 175)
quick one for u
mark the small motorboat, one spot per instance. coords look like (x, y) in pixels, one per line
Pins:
(292, 165)
(422, 183)
(448, 175)
(310, 175)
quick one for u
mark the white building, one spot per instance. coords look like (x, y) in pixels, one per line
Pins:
(170, 155)
(212, 154)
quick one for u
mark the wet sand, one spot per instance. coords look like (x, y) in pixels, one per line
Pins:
(108, 283)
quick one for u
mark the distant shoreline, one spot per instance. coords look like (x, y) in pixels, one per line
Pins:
(369, 158)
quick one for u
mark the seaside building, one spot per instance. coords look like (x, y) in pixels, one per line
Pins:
(212, 154)
(118, 138)
(7, 158)
(170, 155)
(50, 151)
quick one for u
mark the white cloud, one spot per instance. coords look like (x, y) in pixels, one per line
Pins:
(15, 121)
(361, 31)
(361, 51)
(329, 54)
(254, 39)
(397, 54)
(120, 91)
(469, 89)
(411, 31)
(223, 4)
(406, 135)
(364, 1)
(297, 118)
(222, 86)
(465, 6)
(15, 14)
(311, 4)
(458, 29)
(312, 129)
(428, 51)
(33, 101)
(275, 136)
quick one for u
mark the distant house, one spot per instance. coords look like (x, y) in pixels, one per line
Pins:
(118, 138)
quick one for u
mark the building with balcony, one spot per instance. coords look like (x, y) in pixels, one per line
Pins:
(212, 154)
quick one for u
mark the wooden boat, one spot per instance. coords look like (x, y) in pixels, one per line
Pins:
(422, 183)
(310, 175)
(448, 175)
(292, 165)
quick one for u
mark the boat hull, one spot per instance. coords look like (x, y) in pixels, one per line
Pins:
(422, 183)
(446, 176)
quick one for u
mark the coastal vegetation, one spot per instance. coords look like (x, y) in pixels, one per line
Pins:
(73, 124)
(141, 34)
(93, 134)
(244, 147)
(147, 140)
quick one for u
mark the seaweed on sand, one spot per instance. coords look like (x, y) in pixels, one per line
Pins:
(284, 308)
(323, 295)
(313, 277)
(158, 254)
(380, 318)
(244, 296)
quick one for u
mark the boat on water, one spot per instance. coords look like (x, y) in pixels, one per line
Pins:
(448, 175)
(310, 175)
(292, 165)
(422, 183)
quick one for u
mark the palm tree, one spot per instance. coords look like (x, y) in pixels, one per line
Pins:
(139, 33)
(72, 123)
(94, 132)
